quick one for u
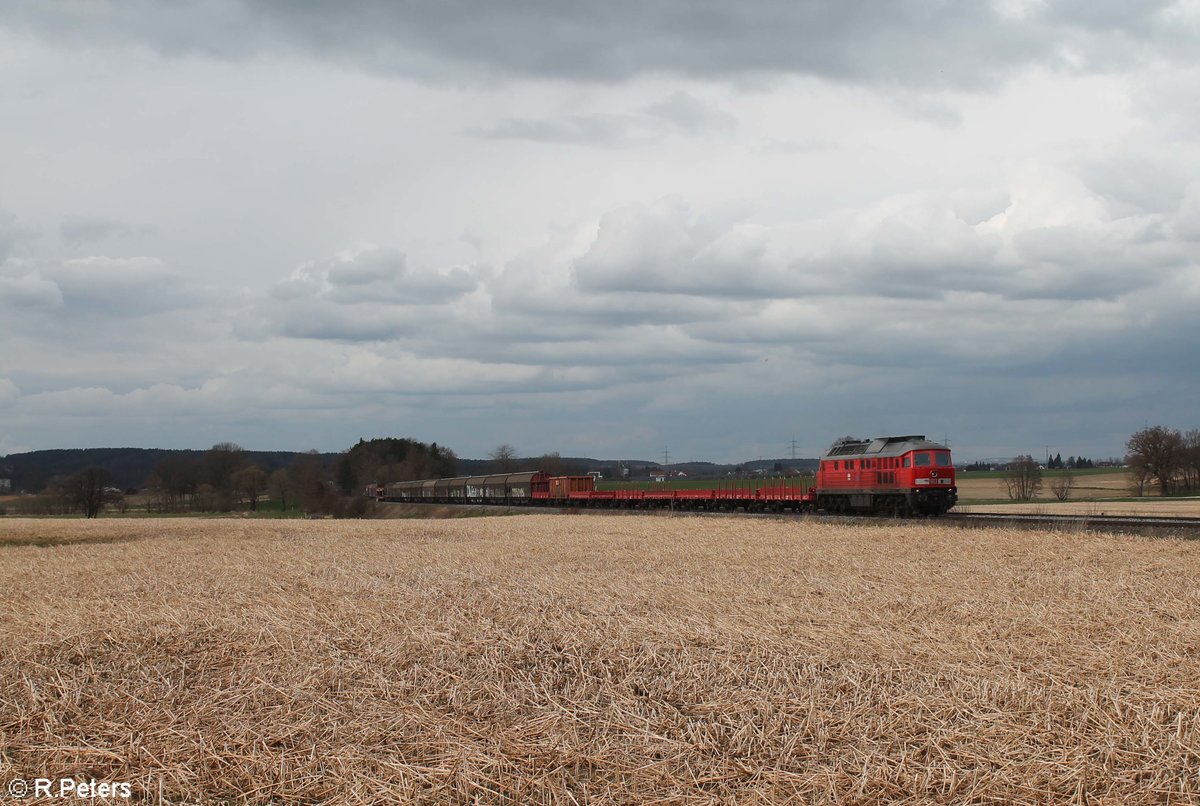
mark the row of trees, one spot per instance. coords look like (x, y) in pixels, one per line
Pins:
(1056, 462)
(220, 480)
(1165, 457)
(224, 479)
(380, 461)
(86, 492)
(505, 459)
(1023, 480)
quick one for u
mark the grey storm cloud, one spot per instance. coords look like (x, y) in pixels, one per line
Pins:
(11, 235)
(778, 213)
(881, 41)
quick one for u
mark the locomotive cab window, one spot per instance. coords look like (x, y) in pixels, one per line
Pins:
(906, 462)
(922, 460)
(942, 458)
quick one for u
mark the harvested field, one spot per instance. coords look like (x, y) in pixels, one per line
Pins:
(1087, 485)
(539, 659)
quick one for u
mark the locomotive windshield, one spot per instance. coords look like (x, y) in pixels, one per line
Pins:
(939, 458)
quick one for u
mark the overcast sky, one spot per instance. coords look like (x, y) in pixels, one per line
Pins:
(604, 229)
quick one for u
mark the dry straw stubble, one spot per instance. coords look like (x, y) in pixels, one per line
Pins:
(600, 659)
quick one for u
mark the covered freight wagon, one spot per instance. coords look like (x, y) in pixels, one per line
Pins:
(563, 486)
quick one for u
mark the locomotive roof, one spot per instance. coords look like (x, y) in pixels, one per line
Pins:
(881, 446)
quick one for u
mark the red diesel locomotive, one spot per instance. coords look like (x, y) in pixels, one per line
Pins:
(887, 476)
(907, 475)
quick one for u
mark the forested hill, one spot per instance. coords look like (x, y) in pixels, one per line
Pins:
(129, 467)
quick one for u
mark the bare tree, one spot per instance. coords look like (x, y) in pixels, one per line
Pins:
(1023, 478)
(115, 499)
(172, 482)
(1138, 476)
(1160, 452)
(1191, 453)
(217, 467)
(307, 475)
(250, 482)
(552, 464)
(86, 490)
(205, 498)
(280, 486)
(1062, 484)
(504, 458)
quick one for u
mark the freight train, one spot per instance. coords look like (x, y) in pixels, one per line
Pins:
(898, 476)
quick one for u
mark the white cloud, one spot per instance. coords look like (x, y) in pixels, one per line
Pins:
(8, 392)
(23, 288)
(8, 446)
(690, 114)
(679, 113)
(666, 248)
(364, 294)
(1186, 222)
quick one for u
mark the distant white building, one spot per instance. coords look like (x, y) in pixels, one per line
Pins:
(5, 485)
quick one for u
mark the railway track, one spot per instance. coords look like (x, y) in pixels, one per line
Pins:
(1165, 526)
(1123, 524)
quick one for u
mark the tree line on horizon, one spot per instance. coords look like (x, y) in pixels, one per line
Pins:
(226, 478)
(1166, 457)
(1158, 455)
